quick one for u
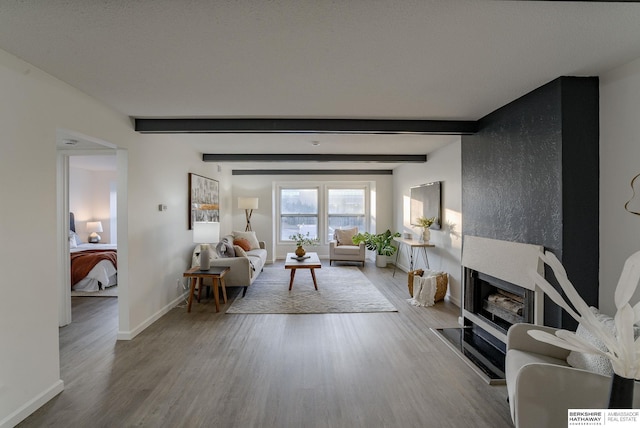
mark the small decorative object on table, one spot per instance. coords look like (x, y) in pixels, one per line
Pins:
(425, 223)
(622, 347)
(303, 240)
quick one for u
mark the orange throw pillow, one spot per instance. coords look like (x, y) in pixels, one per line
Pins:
(242, 243)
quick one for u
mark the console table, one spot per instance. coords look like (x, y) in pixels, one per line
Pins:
(411, 246)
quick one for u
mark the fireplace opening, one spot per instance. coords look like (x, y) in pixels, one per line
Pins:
(498, 303)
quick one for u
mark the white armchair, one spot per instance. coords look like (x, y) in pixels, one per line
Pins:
(341, 248)
(542, 386)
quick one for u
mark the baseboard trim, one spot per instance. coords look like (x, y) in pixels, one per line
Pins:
(32, 405)
(129, 335)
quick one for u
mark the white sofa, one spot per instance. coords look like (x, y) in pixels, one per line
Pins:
(542, 385)
(244, 270)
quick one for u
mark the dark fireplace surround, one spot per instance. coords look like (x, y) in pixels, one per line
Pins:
(531, 175)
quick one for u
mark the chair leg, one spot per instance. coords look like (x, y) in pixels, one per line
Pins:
(244, 291)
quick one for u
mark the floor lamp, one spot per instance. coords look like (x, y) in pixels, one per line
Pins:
(248, 205)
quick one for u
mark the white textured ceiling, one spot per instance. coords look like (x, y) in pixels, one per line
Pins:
(313, 58)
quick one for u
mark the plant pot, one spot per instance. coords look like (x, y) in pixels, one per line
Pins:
(426, 234)
(300, 251)
(381, 260)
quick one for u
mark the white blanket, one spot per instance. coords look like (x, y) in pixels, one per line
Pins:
(424, 290)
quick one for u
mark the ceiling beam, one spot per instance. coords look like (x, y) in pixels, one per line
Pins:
(312, 172)
(304, 126)
(302, 157)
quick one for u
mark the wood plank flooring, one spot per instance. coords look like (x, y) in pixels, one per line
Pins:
(208, 369)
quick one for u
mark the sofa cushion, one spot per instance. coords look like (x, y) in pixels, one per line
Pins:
(242, 243)
(345, 236)
(249, 236)
(351, 250)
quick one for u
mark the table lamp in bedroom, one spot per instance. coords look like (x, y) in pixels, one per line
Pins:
(205, 233)
(93, 227)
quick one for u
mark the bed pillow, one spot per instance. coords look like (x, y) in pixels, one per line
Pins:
(76, 238)
(72, 241)
(242, 243)
(345, 236)
(249, 236)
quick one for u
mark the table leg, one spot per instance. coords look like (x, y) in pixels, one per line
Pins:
(313, 275)
(224, 290)
(426, 257)
(395, 265)
(192, 289)
(293, 273)
(411, 262)
(216, 293)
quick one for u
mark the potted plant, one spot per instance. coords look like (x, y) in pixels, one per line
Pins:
(425, 223)
(301, 240)
(381, 243)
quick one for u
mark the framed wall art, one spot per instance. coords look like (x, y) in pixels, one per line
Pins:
(204, 197)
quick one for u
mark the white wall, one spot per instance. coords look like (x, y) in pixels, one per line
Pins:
(619, 163)
(34, 107)
(89, 200)
(443, 165)
(262, 218)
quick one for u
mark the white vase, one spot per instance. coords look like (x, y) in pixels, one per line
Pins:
(205, 258)
(426, 234)
(381, 260)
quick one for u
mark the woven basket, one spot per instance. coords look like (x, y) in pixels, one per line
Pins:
(442, 280)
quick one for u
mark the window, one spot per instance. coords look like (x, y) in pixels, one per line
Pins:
(346, 208)
(298, 212)
(319, 208)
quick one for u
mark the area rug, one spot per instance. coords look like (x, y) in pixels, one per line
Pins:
(108, 292)
(341, 289)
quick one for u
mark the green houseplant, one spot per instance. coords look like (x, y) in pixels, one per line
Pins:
(381, 243)
(301, 240)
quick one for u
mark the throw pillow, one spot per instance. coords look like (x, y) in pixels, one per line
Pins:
(593, 362)
(345, 236)
(242, 243)
(249, 236)
(225, 249)
(239, 251)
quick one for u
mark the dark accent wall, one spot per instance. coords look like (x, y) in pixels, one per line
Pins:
(530, 174)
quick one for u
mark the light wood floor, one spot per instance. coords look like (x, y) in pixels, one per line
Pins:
(207, 369)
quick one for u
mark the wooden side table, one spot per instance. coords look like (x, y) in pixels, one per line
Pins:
(216, 274)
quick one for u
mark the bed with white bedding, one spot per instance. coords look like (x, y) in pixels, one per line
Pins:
(93, 266)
